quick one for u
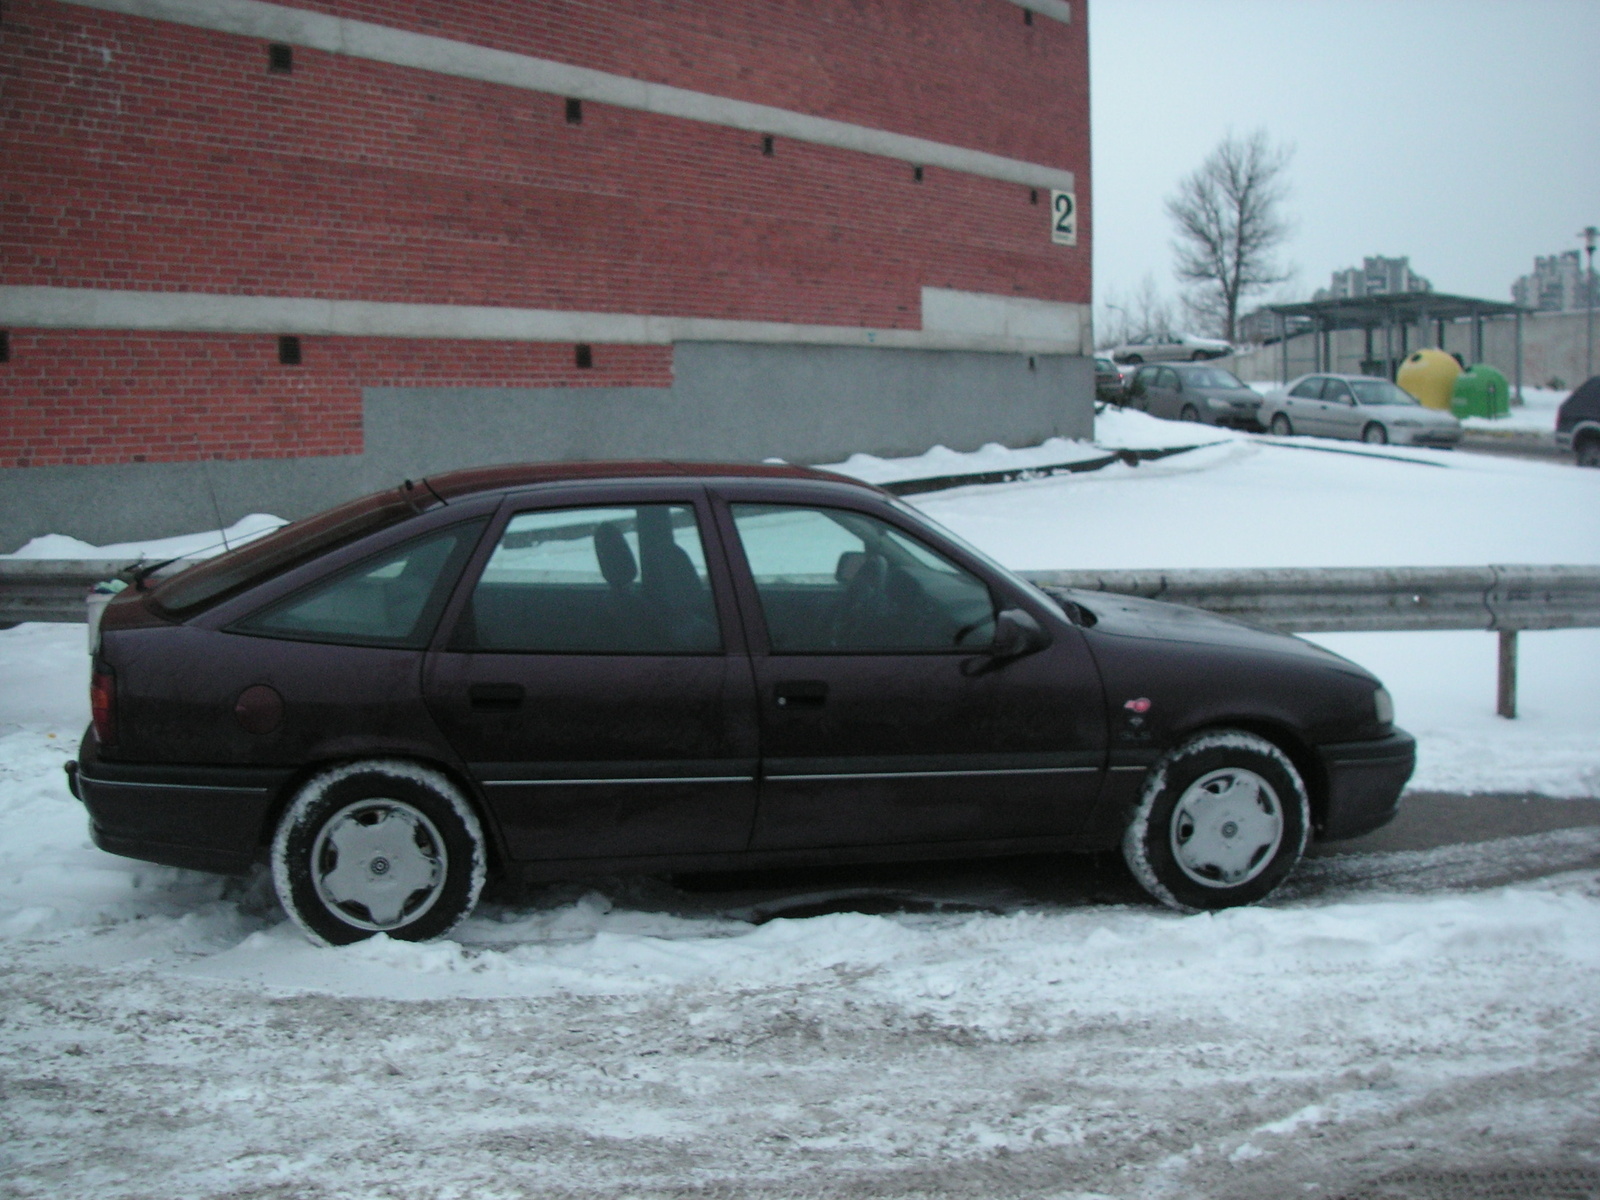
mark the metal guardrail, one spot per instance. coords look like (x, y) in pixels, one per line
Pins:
(1502, 599)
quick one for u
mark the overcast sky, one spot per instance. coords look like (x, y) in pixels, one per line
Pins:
(1463, 133)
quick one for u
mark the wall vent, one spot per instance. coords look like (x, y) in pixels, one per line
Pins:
(280, 57)
(766, 145)
(289, 350)
(583, 356)
(916, 174)
(574, 112)
(1027, 16)
(5, 345)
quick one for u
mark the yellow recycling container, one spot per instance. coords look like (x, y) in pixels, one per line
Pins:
(1430, 376)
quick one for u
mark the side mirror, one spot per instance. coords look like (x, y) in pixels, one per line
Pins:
(1016, 634)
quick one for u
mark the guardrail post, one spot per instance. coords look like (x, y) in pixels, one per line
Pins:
(1506, 704)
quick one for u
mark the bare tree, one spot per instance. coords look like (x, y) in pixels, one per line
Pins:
(1229, 219)
(1144, 315)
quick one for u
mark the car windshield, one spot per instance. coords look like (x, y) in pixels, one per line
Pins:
(1379, 391)
(1214, 377)
(210, 581)
(1104, 365)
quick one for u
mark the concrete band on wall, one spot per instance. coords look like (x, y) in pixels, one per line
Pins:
(729, 402)
(403, 48)
(952, 320)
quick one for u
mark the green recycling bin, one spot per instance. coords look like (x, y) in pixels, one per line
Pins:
(1481, 391)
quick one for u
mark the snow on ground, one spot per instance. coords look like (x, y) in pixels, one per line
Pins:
(1034, 1029)
(188, 545)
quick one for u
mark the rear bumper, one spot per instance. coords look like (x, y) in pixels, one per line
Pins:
(203, 818)
(1365, 780)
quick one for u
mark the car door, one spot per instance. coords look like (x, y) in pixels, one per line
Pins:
(882, 720)
(1303, 404)
(1340, 417)
(591, 676)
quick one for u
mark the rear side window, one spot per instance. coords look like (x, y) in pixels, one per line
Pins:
(392, 599)
(615, 580)
(1307, 389)
(207, 583)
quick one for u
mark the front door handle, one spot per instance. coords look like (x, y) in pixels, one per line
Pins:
(801, 693)
(495, 696)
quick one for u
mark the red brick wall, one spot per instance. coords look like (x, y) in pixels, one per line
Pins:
(141, 154)
(113, 397)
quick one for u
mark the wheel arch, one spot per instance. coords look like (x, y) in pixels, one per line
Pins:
(1298, 751)
(493, 848)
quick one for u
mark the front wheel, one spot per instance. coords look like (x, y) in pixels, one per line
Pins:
(1589, 452)
(1189, 413)
(1375, 435)
(1281, 426)
(383, 846)
(1221, 822)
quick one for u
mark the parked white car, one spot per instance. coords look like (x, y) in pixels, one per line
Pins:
(1356, 406)
(1172, 347)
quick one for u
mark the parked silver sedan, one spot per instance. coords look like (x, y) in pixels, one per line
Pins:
(1357, 407)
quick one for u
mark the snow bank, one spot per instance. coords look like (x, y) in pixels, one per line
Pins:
(188, 545)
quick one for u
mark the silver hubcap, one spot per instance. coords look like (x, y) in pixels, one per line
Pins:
(1226, 828)
(379, 864)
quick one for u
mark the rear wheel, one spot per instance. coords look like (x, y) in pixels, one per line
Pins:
(1375, 434)
(1281, 426)
(383, 846)
(1221, 822)
(1189, 413)
(1589, 452)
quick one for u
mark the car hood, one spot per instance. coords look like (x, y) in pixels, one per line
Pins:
(1132, 616)
(1232, 395)
(1418, 415)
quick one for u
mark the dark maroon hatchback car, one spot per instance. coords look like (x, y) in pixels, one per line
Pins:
(559, 670)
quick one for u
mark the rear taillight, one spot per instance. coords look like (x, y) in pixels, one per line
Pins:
(103, 704)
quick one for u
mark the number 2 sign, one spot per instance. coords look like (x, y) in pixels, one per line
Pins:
(1064, 218)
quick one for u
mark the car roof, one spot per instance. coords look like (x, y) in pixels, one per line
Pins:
(507, 476)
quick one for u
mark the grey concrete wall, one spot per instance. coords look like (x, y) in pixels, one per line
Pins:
(730, 402)
(1554, 347)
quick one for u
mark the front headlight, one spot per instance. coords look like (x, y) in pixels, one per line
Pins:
(1383, 706)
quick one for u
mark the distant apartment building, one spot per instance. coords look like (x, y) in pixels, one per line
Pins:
(1556, 285)
(1375, 277)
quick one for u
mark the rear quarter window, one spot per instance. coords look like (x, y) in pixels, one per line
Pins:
(210, 582)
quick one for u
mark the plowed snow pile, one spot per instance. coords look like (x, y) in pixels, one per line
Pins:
(1403, 1016)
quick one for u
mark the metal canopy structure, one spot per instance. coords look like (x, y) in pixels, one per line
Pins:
(1395, 313)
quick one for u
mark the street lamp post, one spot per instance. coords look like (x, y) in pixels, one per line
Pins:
(1589, 234)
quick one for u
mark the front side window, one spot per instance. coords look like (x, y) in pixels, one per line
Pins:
(833, 580)
(615, 580)
(1336, 392)
(391, 599)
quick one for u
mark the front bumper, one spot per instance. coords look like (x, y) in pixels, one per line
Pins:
(1440, 438)
(203, 818)
(1365, 780)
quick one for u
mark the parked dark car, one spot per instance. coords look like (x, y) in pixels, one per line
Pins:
(1578, 423)
(1195, 392)
(559, 670)
(1107, 380)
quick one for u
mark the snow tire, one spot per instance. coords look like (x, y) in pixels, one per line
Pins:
(380, 846)
(1227, 788)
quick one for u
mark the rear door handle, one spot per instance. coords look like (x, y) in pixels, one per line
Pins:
(495, 695)
(801, 693)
